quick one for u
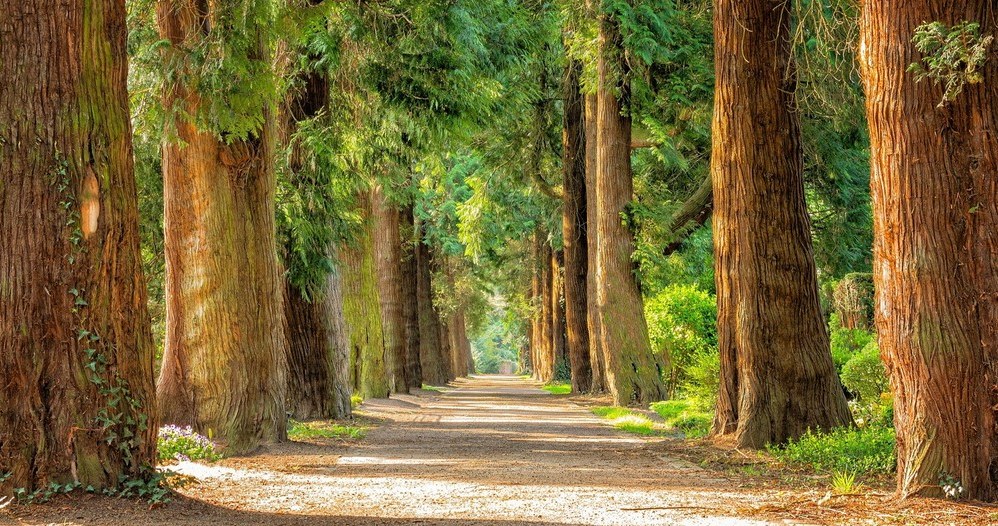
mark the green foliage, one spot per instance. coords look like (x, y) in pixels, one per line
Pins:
(682, 324)
(844, 482)
(183, 443)
(685, 415)
(558, 388)
(954, 56)
(328, 430)
(846, 342)
(496, 343)
(864, 374)
(868, 450)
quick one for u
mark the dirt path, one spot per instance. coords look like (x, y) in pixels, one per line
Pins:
(489, 451)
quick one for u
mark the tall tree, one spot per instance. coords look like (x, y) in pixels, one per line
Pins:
(935, 204)
(432, 357)
(388, 263)
(597, 358)
(410, 299)
(361, 309)
(777, 376)
(574, 229)
(224, 367)
(633, 372)
(76, 351)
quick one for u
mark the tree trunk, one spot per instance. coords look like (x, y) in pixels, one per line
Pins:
(936, 230)
(536, 331)
(559, 352)
(388, 252)
(224, 367)
(318, 353)
(76, 350)
(431, 351)
(361, 311)
(544, 366)
(597, 358)
(410, 299)
(633, 373)
(777, 377)
(574, 231)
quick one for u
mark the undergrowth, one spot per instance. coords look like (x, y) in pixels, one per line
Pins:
(868, 450)
(558, 388)
(324, 429)
(629, 420)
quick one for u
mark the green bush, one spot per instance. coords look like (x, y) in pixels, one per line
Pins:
(682, 323)
(864, 374)
(703, 376)
(846, 342)
(856, 450)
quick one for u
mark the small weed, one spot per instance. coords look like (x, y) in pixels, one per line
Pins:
(322, 429)
(952, 487)
(355, 401)
(434, 388)
(558, 388)
(844, 482)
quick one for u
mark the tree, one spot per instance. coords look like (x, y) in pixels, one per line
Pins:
(936, 231)
(777, 376)
(574, 229)
(597, 357)
(633, 373)
(432, 357)
(388, 264)
(410, 298)
(224, 367)
(361, 310)
(76, 383)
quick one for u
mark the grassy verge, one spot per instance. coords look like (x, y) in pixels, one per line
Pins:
(324, 430)
(629, 420)
(684, 416)
(427, 387)
(558, 388)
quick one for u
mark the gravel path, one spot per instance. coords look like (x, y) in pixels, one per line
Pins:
(490, 450)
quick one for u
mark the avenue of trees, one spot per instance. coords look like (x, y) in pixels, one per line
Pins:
(222, 214)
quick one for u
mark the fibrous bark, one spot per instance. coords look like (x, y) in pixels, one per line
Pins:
(410, 299)
(224, 365)
(777, 377)
(633, 372)
(362, 312)
(574, 231)
(597, 357)
(431, 352)
(935, 209)
(388, 263)
(76, 351)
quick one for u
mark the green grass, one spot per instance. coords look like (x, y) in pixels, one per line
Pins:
(323, 429)
(427, 387)
(853, 450)
(683, 415)
(628, 420)
(558, 388)
(355, 401)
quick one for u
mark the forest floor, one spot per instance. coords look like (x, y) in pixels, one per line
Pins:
(490, 451)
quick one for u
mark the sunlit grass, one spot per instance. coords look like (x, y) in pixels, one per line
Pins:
(427, 387)
(355, 401)
(558, 388)
(324, 429)
(683, 415)
(628, 420)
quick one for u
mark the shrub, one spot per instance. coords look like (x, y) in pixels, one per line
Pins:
(846, 449)
(682, 323)
(864, 374)
(846, 342)
(703, 376)
(182, 443)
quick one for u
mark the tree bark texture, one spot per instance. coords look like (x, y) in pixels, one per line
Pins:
(388, 254)
(597, 357)
(633, 372)
(935, 209)
(777, 377)
(224, 364)
(76, 350)
(574, 227)
(361, 310)
(544, 356)
(410, 299)
(559, 350)
(432, 359)
(318, 353)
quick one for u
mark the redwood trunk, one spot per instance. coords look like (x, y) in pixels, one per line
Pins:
(431, 351)
(361, 311)
(388, 253)
(597, 357)
(410, 299)
(559, 352)
(935, 208)
(544, 365)
(72, 295)
(633, 372)
(777, 377)
(574, 231)
(224, 367)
